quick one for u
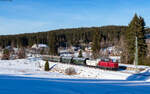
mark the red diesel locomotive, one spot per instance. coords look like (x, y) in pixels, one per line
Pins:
(108, 64)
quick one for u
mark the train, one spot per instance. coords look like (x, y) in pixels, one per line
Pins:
(104, 63)
(107, 63)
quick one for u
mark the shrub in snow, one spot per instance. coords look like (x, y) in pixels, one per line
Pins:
(80, 53)
(6, 54)
(46, 66)
(21, 53)
(70, 71)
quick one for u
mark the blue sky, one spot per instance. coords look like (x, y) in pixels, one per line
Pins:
(25, 16)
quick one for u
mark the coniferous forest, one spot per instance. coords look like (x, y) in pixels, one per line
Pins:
(110, 35)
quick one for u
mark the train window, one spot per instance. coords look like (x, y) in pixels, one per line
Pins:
(102, 59)
(105, 60)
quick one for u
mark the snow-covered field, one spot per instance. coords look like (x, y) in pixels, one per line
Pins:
(34, 67)
(27, 76)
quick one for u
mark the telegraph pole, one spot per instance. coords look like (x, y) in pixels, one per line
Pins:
(136, 53)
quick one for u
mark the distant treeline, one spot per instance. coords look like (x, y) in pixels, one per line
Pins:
(110, 35)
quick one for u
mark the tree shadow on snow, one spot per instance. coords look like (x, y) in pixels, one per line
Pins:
(140, 76)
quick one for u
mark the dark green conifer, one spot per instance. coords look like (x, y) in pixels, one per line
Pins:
(46, 66)
(135, 29)
(80, 53)
(52, 44)
(96, 44)
(142, 46)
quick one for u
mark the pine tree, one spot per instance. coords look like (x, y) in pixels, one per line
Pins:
(130, 39)
(46, 66)
(80, 53)
(135, 29)
(96, 44)
(142, 46)
(52, 44)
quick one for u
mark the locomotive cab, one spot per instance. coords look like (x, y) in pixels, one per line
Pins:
(107, 63)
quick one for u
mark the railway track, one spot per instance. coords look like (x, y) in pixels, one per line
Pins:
(96, 67)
